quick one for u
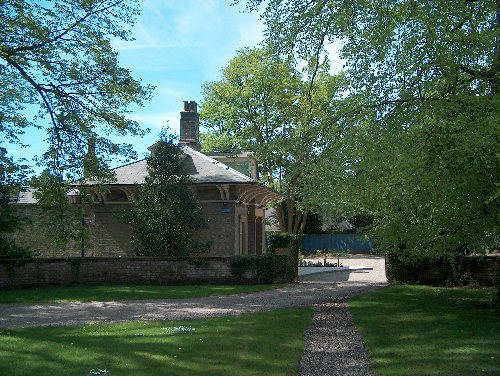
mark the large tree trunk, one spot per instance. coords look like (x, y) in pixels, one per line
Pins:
(291, 221)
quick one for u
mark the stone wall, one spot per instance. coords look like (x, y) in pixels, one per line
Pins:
(112, 238)
(220, 230)
(482, 271)
(32, 235)
(107, 271)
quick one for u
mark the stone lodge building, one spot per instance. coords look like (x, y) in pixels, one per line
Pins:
(233, 203)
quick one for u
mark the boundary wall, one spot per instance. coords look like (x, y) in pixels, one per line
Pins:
(37, 272)
(478, 270)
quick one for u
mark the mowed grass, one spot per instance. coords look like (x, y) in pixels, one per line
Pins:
(104, 293)
(266, 343)
(419, 330)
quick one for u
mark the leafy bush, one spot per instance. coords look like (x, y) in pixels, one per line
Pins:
(279, 240)
(266, 267)
(8, 250)
(456, 269)
(166, 210)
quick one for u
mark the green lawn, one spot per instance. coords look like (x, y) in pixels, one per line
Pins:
(418, 330)
(408, 330)
(266, 343)
(104, 293)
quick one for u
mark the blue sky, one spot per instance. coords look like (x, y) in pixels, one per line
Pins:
(178, 47)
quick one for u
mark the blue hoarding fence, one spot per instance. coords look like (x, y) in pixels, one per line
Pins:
(354, 243)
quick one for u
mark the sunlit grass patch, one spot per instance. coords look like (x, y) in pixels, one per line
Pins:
(106, 293)
(252, 344)
(419, 330)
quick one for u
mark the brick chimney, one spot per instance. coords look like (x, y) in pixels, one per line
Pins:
(190, 126)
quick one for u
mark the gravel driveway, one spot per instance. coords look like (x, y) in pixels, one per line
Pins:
(333, 345)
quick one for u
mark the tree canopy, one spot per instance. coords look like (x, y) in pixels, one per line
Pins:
(266, 106)
(420, 115)
(57, 57)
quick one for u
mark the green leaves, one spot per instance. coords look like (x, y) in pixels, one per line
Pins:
(166, 210)
(63, 221)
(266, 268)
(58, 57)
(419, 120)
(433, 186)
(266, 106)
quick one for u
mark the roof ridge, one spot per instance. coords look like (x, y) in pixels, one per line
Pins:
(128, 164)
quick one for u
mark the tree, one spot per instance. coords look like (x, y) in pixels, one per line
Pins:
(62, 220)
(166, 210)
(420, 114)
(10, 176)
(265, 106)
(57, 57)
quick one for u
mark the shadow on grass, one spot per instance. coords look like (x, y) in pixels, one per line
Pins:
(418, 330)
(251, 344)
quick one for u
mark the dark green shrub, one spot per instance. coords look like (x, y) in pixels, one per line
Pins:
(8, 250)
(166, 210)
(279, 240)
(266, 267)
(458, 269)
(453, 269)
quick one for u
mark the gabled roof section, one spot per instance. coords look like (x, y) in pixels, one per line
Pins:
(132, 173)
(200, 167)
(204, 169)
(24, 196)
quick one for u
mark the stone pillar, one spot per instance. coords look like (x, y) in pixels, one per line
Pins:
(259, 238)
(252, 235)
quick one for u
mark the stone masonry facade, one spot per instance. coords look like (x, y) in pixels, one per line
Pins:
(111, 237)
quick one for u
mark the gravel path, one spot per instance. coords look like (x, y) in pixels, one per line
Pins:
(333, 345)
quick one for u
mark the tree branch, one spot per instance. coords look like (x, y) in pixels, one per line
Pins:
(67, 30)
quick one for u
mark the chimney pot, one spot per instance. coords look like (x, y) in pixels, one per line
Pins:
(193, 107)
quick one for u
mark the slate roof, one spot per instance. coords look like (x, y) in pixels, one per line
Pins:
(131, 173)
(25, 197)
(202, 168)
